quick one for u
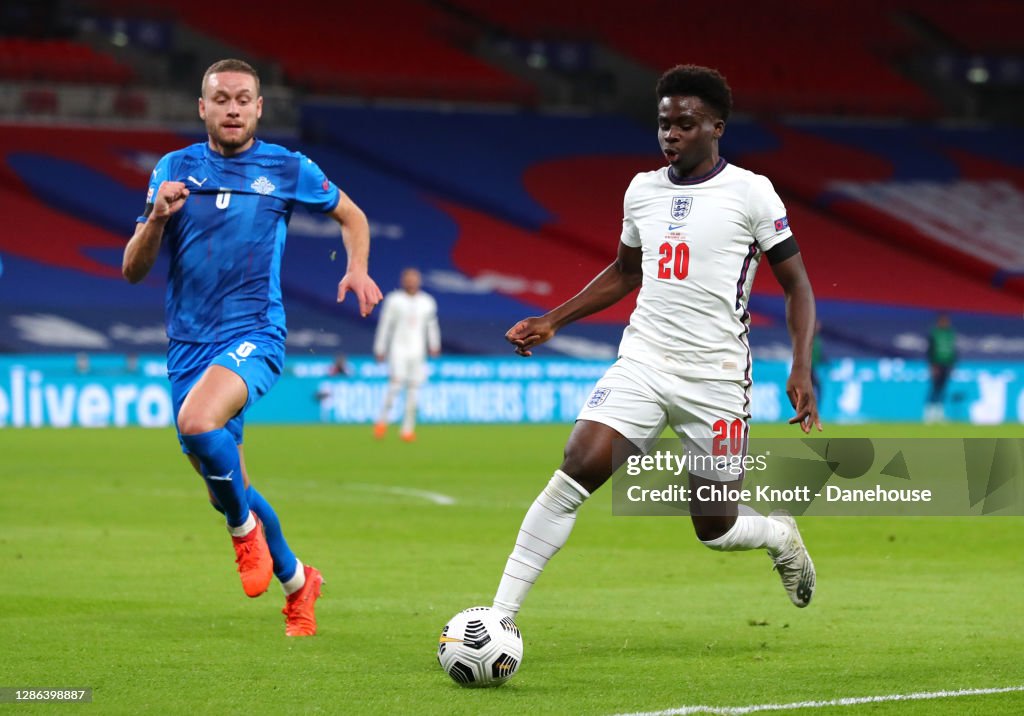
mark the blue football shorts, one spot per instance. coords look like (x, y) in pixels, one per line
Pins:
(256, 357)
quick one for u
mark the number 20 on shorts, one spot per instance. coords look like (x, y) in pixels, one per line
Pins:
(674, 261)
(728, 439)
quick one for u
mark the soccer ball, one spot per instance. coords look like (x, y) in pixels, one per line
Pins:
(480, 647)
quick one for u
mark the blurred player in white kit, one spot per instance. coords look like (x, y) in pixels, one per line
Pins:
(407, 332)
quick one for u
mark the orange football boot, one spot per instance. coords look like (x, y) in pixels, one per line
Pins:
(299, 615)
(255, 565)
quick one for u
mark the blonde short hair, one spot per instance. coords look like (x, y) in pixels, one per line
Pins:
(230, 65)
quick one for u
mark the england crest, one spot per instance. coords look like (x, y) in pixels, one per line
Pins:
(598, 396)
(681, 207)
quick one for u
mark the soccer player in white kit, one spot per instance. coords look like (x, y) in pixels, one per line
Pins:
(693, 234)
(407, 331)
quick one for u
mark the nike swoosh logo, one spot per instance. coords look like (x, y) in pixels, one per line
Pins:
(197, 182)
(448, 640)
(673, 227)
(222, 478)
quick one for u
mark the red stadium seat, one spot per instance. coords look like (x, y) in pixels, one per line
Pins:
(989, 26)
(802, 56)
(39, 101)
(398, 49)
(58, 61)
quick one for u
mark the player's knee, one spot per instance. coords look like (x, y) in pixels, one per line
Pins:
(587, 464)
(192, 422)
(573, 465)
(711, 527)
(582, 467)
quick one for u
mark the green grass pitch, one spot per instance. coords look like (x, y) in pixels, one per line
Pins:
(116, 575)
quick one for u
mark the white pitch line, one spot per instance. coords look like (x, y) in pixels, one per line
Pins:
(852, 701)
(436, 497)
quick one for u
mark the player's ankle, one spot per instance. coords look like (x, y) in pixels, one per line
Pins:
(297, 581)
(245, 528)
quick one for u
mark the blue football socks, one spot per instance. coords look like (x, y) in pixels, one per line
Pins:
(285, 562)
(222, 471)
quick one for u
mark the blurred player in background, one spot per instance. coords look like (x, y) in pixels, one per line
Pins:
(941, 359)
(222, 208)
(407, 332)
(693, 234)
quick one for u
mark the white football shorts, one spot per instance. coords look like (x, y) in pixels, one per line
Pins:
(411, 370)
(639, 402)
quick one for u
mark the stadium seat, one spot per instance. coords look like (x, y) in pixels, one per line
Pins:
(822, 58)
(58, 61)
(507, 229)
(398, 49)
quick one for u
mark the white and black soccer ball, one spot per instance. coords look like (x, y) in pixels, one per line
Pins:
(480, 647)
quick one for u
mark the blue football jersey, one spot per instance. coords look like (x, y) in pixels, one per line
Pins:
(227, 241)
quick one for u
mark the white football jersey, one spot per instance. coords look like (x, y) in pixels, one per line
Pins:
(408, 326)
(702, 240)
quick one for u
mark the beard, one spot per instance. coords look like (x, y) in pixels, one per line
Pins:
(231, 139)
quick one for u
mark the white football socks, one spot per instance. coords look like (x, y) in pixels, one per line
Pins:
(389, 400)
(298, 580)
(245, 528)
(751, 531)
(546, 527)
(409, 424)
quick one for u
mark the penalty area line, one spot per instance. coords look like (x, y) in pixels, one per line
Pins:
(851, 701)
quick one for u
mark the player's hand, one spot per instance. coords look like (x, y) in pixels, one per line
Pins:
(379, 357)
(170, 197)
(801, 396)
(364, 288)
(528, 333)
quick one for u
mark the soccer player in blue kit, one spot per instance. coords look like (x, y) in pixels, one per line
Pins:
(222, 207)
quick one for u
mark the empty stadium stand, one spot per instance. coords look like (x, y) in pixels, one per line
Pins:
(940, 192)
(58, 60)
(798, 57)
(395, 49)
(986, 26)
(510, 211)
(507, 214)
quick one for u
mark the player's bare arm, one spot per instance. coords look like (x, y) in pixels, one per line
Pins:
(606, 289)
(143, 248)
(800, 315)
(355, 233)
